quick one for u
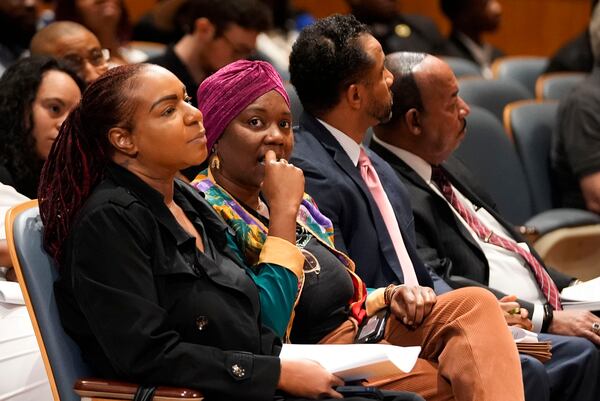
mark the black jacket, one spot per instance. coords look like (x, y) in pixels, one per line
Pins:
(144, 305)
(442, 240)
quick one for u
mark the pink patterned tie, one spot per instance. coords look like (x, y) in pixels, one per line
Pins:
(546, 284)
(370, 177)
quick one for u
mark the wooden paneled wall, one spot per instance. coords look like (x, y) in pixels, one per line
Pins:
(536, 27)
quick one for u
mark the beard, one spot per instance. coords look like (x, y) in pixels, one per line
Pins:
(381, 111)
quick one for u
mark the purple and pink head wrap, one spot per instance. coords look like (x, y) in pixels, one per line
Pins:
(226, 93)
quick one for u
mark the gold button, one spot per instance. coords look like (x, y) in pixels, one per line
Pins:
(403, 30)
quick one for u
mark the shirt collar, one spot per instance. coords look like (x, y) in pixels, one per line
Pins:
(351, 148)
(421, 167)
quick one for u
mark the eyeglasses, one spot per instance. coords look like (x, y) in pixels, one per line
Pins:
(96, 57)
(239, 50)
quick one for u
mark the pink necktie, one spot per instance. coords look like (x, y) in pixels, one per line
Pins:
(546, 284)
(370, 177)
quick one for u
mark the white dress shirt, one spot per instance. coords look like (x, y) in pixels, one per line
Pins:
(509, 272)
(351, 148)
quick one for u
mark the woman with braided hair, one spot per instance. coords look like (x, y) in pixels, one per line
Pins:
(150, 285)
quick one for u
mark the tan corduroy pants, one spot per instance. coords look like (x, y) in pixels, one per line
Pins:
(467, 352)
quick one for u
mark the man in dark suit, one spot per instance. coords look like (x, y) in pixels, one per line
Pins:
(470, 20)
(450, 210)
(398, 31)
(327, 150)
(337, 68)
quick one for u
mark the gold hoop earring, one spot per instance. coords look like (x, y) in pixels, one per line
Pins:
(215, 163)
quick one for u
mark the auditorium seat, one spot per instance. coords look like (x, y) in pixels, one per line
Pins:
(463, 67)
(571, 248)
(491, 94)
(64, 365)
(529, 125)
(555, 85)
(522, 69)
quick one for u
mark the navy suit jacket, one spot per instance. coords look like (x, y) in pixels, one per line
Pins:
(337, 186)
(443, 242)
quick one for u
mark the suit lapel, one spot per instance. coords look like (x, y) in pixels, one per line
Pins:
(342, 159)
(411, 175)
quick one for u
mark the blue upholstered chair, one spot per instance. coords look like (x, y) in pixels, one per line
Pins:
(522, 69)
(488, 153)
(491, 94)
(570, 236)
(62, 359)
(555, 85)
(463, 67)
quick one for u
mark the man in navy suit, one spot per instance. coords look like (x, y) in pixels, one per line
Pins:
(327, 146)
(428, 123)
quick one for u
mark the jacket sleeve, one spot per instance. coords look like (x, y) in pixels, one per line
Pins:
(114, 285)
(277, 275)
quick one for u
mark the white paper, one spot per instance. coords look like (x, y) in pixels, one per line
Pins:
(356, 361)
(588, 291)
(10, 292)
(523, 336)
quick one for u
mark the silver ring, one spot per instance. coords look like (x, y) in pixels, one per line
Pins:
(284, 161)
(595, 327)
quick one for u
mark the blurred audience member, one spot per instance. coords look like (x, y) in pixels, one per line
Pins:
(76, 45)
(161, 23)
(470, 20)
(275, 45)
(108, 20)
(36, 94)
(396, 31)
(576, 55)
(218, 32)
(18, 20)
(576, 153)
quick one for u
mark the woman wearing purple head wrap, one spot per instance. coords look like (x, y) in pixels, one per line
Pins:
(308, 292)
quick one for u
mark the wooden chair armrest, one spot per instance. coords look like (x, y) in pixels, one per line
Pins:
(111, 389)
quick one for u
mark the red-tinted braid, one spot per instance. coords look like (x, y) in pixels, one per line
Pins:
(78, 158)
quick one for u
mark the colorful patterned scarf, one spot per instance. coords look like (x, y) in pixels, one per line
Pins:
(251, 233)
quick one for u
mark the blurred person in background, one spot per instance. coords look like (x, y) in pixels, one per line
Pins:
(218, 32)
(576, 55)
(470, 20)
(36, 94)
(397, 31)
(576, 141)
(76, 45)
(18, 20)
(108, 20)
